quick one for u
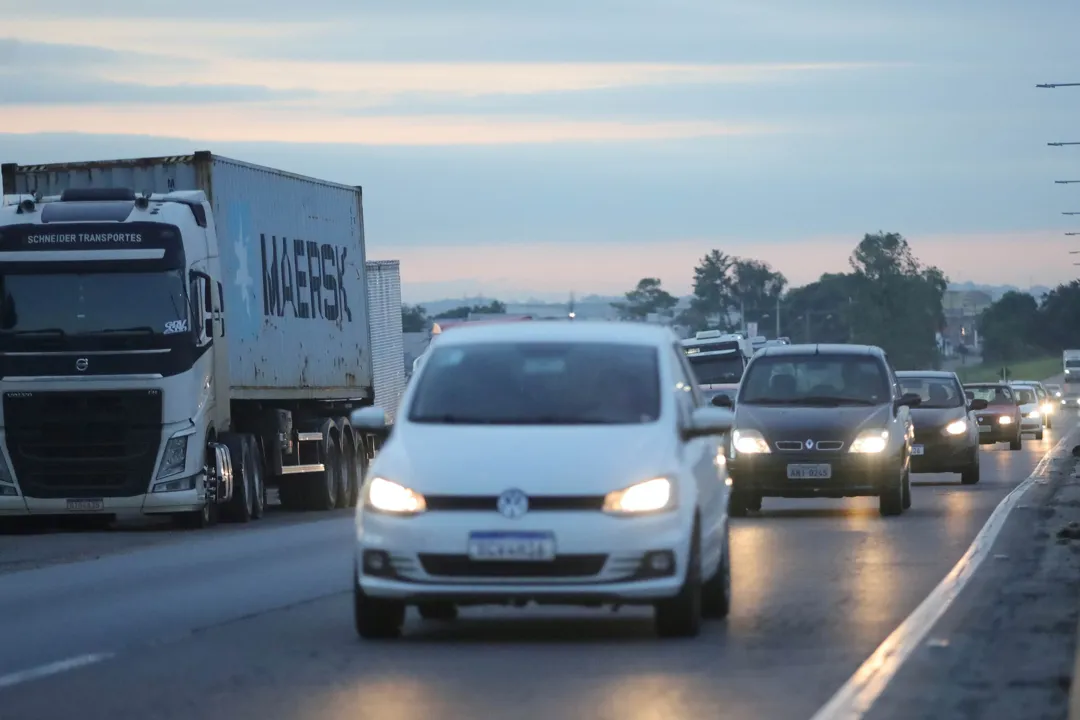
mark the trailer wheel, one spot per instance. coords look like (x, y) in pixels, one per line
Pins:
(359, 468)
(258, 479)
(347, 457)
(239, 508)
(323, 488)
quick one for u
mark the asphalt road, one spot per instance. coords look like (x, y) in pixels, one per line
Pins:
(256, 623)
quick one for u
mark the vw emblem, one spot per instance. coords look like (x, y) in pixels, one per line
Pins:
(81, 364)
(513, 504)
(809, 444)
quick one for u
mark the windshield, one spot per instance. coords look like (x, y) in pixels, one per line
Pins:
(992, 394)
(1025, 396)
(90, 303)
(1072, 363)
(814, 380)
(935, 392)
(717, 369)
(553, 383)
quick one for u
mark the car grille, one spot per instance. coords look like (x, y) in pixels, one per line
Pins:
(797, 445)
(537, 503)
(85, 444)
(462, 566)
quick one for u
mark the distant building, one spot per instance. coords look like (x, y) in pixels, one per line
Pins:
(962, 310)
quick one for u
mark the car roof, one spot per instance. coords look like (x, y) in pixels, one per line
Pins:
(986, 384)
(605, 331)
(943, 374)
(820, 349)
(1025, 382)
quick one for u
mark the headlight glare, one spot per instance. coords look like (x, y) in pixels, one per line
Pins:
(749, 442)
(643, 497)
(1005, 420)
(956, 427)
(870, 442)
(382, 495)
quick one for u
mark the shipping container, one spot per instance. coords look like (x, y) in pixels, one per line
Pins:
(387, 338)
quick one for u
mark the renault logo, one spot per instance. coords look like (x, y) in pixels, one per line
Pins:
(513, 504)
(81, 364)
(809, 444)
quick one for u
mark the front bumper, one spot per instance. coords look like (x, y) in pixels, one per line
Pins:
(997, 433)
(851, 474)
(941, 453)
(599, 559)
(134, 506)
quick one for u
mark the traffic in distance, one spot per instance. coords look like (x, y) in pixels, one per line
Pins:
(594, 463)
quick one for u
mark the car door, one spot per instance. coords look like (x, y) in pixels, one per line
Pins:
(698, 460)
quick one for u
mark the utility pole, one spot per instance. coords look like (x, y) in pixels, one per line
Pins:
(778, 316)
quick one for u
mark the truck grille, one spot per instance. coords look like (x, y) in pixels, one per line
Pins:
(95, 444)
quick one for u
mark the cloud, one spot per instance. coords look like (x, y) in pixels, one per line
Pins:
(267, 123)
(23, 56)
(58, 88)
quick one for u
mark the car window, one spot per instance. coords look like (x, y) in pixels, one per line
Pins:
(816, 380)
(997, 395)
(726, 369)
(539, 383)
(1025, 396)
(935, 392)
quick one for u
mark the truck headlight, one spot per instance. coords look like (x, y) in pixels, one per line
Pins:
(382, 495)
(643, 497)
(870, 441)
(174, 459)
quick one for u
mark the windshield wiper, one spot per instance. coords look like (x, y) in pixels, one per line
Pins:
(138, 330)
(43, 331)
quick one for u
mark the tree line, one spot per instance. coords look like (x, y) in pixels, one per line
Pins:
(1018, 326)
(888, 298)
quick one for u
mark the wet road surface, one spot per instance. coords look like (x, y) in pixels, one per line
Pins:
(257, 624)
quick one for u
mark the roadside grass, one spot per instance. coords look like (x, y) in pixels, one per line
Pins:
(1041, 369)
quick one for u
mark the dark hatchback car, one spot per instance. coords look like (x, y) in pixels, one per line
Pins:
(946, 428)
(820, 421)
(1000, 420)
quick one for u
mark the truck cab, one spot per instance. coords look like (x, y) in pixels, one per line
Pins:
(109, 370)
(718, 360)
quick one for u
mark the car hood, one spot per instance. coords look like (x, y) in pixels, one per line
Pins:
(936, 417)
(816, 423)
(998, 410)
(563, 460)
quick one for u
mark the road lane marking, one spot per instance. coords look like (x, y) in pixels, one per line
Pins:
(44, 671)
(855, 699)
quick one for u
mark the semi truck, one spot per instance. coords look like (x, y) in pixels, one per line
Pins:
(178, 334)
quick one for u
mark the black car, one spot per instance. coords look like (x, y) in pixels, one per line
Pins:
(1000, 420)
(946, 428)
(820, 421)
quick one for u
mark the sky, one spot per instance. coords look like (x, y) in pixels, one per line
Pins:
(519, 149)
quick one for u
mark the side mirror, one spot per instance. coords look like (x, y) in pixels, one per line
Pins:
(369, 418)
(705, 421)
(723, 400)
(909, 400)
(978, 404)
(202, 300)
(969, 395)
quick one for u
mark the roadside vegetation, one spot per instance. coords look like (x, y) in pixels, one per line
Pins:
(1040, 369)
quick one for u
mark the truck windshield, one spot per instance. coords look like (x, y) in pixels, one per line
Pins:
(717, 369)
(93, 303)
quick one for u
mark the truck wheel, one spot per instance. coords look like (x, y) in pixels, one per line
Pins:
(347, 469)
(322, 488)
(258, 479)
(239, 508)
(209, 514)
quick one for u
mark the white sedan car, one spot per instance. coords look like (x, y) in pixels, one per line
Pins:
(547, 462)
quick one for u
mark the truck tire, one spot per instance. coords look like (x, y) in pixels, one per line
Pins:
(210, 512)
(322, 488)
(240, 508)
(258, 477)
(347, 459)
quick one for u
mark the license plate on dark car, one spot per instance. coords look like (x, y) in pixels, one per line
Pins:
(816, 471)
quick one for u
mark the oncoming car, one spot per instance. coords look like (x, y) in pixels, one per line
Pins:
(1047, 403)
(999, 421)
(946, 431)
(821, 421)
(560, 463)
(1031, 416)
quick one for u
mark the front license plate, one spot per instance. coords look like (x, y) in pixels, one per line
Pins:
(85, 505)
(538, 546)
(917, 450)
(821, 471)
(985, 428)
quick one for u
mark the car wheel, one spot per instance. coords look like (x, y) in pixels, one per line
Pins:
(376, 618)
(738, 504)
(1039, 435)
(716, 592)
(680, 616)
(891, 500)
(1016, 443)
(1049, 424)
(441, 611)
(753, 502)
(907, 489)
(970, 474)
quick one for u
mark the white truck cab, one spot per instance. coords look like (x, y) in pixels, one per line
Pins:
(718, 360)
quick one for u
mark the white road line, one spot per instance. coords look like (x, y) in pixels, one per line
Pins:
(854, 700)
(43, 671)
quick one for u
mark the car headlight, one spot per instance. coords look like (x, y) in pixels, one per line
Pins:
(1057, 394)
(956, 427)
(174, 459)
(382, 495)
(1048, 408)
(1034, 414)
(870, 441)
(643, 497)
(1005, 420)
(749, 442)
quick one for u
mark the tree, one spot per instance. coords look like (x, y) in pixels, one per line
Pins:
(821, 311)
(899, 301)
(755, 288)
(713, 298)
(492, 308)
(1059, 325)
(462, 312)
(645, 299)
(413, 318)
(1010, 328)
